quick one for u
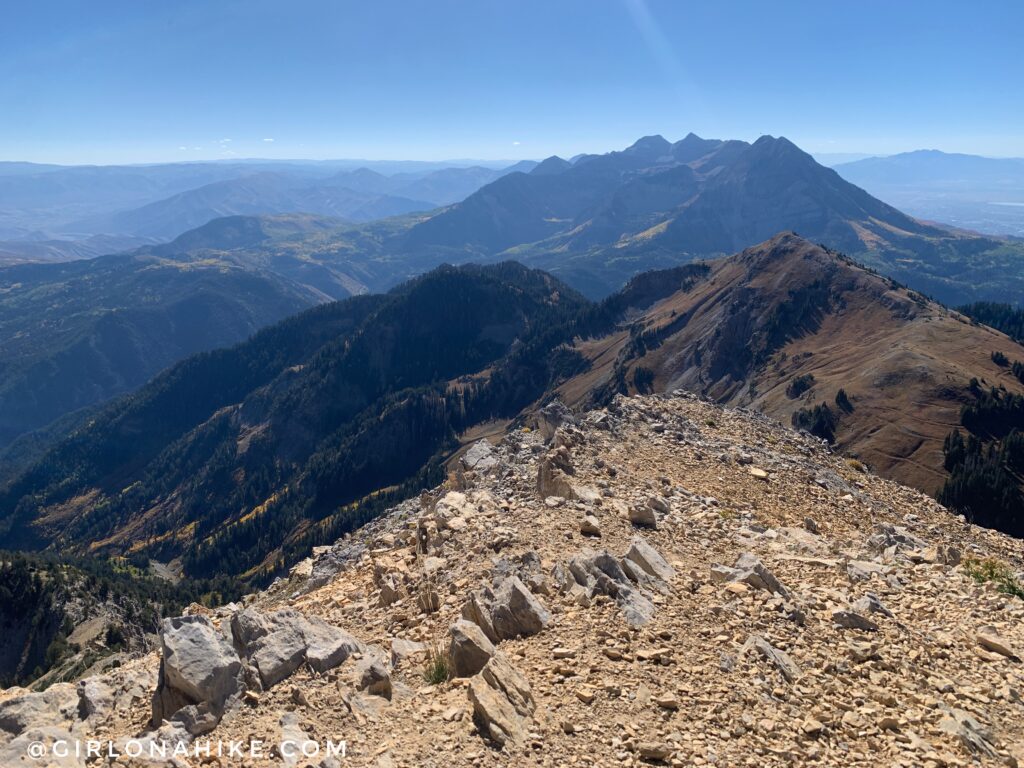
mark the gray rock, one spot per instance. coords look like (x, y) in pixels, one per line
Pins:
(649, 559)
(503, 703)
(553, 480)
(551, 417)
(659, 504)
(893, 538)
(373, 677)
(516, 612)
(480, 457)
(786, 666)
(752, 571)
(201, 675)
(469, 649)
(596, 573)
(643, 516)
(15, 752)
(477, 609)
(95, 698)
(871, 604)
(57, 706)
(336, 560)
(853, 620)
(402, 649)
(974, 735)
(278, 643)
(863, 570)
(590, 526)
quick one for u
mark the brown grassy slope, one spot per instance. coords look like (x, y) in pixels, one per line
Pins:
(785, 308)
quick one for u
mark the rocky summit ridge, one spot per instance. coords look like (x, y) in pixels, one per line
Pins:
(662, 581)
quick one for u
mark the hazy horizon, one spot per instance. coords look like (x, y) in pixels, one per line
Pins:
(825, 158)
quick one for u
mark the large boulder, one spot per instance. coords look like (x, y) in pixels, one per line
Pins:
(278, 643)
(469, 649)
(57, 706)
(503, 703)
(200, 677)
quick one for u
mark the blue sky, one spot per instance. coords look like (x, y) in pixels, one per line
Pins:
(105, 81)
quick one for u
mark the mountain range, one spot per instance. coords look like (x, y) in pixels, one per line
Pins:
(600, 219)
(983, 194)
(238, 460)
(79, 334)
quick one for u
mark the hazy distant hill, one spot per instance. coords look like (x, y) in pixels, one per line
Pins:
(162, 201)
(979, 193)
(268, 193)
(19, 251)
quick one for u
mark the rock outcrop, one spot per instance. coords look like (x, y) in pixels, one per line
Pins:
(503, 703)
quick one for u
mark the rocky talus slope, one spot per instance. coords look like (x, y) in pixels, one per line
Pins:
(660, 582)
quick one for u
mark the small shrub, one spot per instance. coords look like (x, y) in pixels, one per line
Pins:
(437, 668)
(115, 639)
(643, 380)
(843, 401)
(711, 423)
(996, 571)
(820, 421)
(799, 385)
(855, 464)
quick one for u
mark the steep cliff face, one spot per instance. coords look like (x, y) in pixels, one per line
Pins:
(662, 581)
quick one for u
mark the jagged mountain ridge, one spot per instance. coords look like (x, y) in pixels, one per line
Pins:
(594, 223)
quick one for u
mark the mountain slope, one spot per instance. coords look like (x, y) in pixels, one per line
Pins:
(73, 335)
(788, 311)
(234, 458)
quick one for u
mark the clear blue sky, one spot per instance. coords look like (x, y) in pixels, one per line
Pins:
(146, 80)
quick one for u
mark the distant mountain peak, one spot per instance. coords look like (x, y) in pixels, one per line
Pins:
(551, 166)
(649, 145)
(692, 147)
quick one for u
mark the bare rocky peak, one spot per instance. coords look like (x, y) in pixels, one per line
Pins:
(660, 582)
